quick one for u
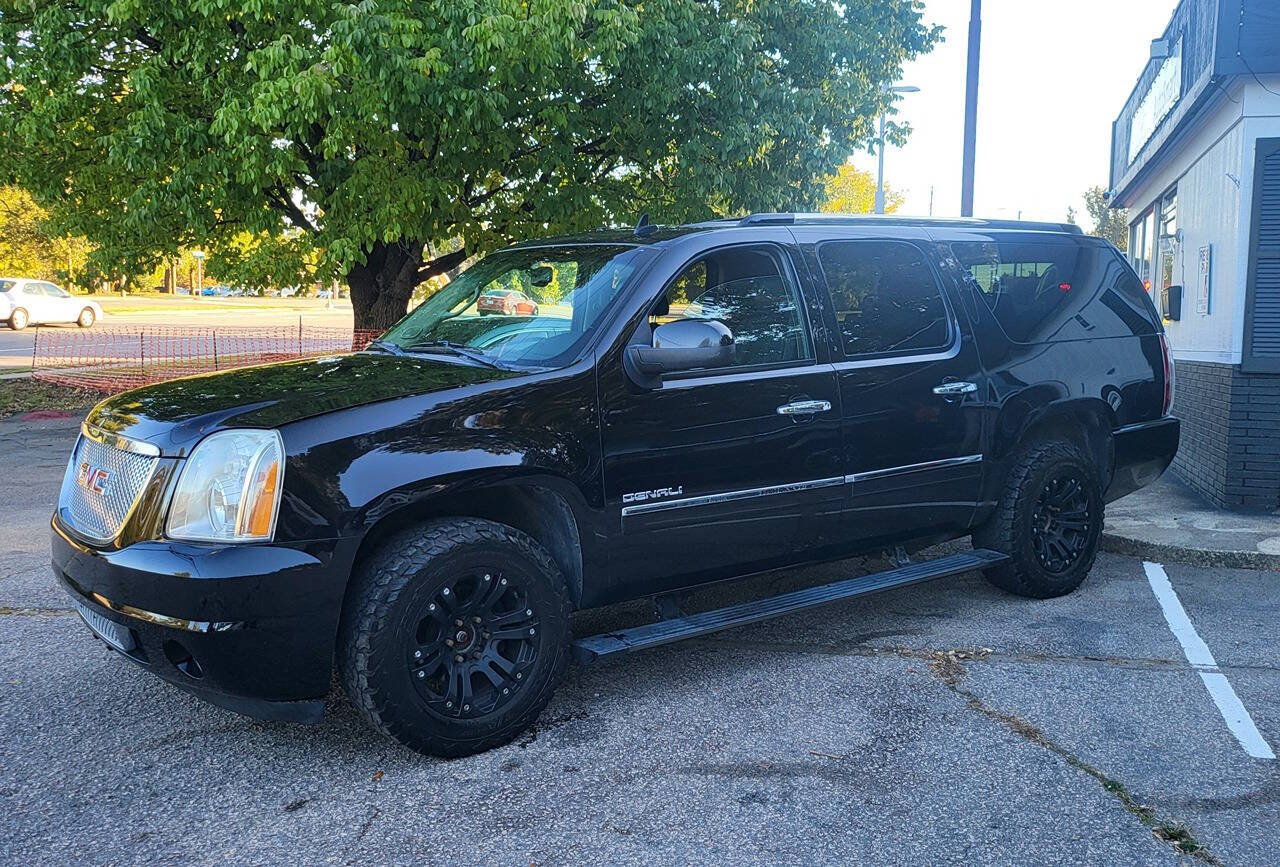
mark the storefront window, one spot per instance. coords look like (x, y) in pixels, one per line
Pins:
(1167, 241)
(1141, 247)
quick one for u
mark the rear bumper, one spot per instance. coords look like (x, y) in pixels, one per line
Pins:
(1142, 453)
(249, 628)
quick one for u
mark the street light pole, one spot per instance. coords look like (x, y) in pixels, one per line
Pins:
(971, 109)
(902, 88)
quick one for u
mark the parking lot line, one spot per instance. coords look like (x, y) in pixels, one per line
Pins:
(1197, 653)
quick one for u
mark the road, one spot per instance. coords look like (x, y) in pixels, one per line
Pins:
(16, 346)
(943, 723)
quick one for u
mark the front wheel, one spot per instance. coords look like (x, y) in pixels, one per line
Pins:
(1048, 520)
(18, 319)
(454, 636)
(87, 318)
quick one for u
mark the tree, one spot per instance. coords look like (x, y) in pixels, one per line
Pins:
(1108, 222)
(383, 134)
(852, 191)
(29, 248)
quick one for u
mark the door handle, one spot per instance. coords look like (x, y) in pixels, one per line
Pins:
(950, 389)
(804, 407)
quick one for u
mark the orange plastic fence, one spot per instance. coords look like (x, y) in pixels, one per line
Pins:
(111, 359)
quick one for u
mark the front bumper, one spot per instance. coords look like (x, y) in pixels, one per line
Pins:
(247, 627)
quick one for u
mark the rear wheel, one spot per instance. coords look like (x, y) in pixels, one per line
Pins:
(1048, 520)
(18, 319)
(454, 636)
(87, 318)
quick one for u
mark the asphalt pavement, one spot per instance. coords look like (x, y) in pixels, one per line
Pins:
(943, 723)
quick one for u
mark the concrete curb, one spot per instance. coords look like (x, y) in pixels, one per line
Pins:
(1161, 552)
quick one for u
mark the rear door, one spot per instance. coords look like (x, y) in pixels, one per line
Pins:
(911, 385)
(717, 472)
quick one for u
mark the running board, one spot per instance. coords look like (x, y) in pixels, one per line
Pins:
(588, 650)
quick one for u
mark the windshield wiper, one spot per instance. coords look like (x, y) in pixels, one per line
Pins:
(385, 347)
(461, 350)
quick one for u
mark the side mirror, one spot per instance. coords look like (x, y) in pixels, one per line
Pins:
(686, 344)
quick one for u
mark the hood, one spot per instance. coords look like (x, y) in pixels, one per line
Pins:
(174, 415)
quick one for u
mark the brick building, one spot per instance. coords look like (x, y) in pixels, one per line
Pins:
(1195, 163)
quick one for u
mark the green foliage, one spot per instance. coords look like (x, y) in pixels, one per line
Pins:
(852, 191)
(29, 248)
(1108, 222)
(373, 131)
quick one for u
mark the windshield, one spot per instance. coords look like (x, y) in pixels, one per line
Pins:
(526, 307)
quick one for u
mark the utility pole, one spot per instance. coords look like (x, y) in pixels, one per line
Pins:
(886, 89)
(971, 109)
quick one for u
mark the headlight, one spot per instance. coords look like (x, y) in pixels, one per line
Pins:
(229, 490)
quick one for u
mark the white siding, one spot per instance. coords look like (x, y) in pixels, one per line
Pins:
(1213, 171)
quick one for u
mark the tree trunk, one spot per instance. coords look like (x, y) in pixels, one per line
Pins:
(382, 287)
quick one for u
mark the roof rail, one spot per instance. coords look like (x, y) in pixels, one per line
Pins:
(767, 219)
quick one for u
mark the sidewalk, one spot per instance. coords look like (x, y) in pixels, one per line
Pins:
(1167, 521)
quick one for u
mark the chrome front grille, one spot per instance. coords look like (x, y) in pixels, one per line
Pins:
(104, 479)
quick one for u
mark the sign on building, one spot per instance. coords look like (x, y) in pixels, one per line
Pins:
(1202, 281)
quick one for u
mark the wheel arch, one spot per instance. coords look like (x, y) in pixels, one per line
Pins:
(548, 510)
(1087, 422)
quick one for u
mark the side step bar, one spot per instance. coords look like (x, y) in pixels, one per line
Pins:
(588, 650)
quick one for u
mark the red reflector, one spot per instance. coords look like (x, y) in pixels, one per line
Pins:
(1065, 287)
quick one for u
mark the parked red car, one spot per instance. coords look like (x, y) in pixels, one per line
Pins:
(508, 302)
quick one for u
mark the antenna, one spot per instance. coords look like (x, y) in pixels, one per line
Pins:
(644, 228)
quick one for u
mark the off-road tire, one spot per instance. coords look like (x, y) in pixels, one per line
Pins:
(1010, 528)
(18, 319)
(385, 597)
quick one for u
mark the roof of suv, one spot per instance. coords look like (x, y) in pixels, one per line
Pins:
(648, 233)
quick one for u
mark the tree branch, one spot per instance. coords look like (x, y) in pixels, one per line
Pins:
(284, 202)
(441, 264)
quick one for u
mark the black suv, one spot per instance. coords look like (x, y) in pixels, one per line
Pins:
(685, 405)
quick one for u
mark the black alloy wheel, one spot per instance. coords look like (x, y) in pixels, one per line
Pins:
(475, 642)
(1060, 522)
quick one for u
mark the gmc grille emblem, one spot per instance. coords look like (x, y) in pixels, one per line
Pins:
(93, 478)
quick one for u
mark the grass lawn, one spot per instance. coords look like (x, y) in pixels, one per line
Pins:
(29, 395)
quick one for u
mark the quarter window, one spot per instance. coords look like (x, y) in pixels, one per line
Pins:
(746, 290)
(1034, 286)
(885, 296)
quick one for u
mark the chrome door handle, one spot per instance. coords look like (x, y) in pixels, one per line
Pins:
(804, 407)
(953, 388)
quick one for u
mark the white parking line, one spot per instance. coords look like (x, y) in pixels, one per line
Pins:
(1197, 653)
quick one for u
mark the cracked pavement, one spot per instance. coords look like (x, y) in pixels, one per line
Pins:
(943, 723)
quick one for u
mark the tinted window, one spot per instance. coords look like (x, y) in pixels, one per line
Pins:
(885, 297)
(6, 285)
(1036, 288)
(746, 290)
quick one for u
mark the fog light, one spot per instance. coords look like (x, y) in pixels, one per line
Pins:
(182, 660)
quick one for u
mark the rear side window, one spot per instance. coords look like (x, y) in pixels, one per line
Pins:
(885, 297)
(6, 285)
(1036, 288)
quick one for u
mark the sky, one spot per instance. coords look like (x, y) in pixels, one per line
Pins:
(1053, 76)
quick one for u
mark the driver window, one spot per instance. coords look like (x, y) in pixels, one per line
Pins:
(744, 288)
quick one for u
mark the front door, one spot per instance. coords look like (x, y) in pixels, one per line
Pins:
(718, 472)
(911, 386)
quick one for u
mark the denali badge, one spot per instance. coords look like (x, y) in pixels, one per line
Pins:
(93, 478)
(657, 494)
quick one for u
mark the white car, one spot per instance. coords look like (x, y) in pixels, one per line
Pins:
(23, 302)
